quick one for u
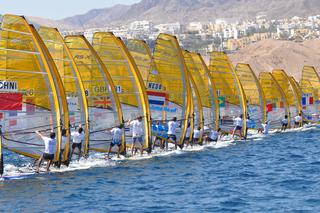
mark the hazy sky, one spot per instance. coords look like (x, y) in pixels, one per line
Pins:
(55, 9)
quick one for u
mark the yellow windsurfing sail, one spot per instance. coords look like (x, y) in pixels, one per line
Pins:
(32, 96)
(127, 79)
(172, 69)
(232, 100)
(292, 95)
(157, 94)
(70, 76)
(196, 112)
(310, 86)
(209, 98)
(256, 104)
(276, 103)
(209, 102)
(104, 105)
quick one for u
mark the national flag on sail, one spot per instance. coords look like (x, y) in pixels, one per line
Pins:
(30, 107)
(102, 102)
(222, 101)
(311, 101)
(157, 98)
(269, 107)
(10, 101)
(304, 101)
(307, 100)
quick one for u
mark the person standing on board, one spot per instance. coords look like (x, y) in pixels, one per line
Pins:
(116, 140)
(298, 121)
(187, 138)
(77, 138)
(172, 128)
(196, 136)
(284, 123)
(50, 146)
(64, 140)
(137, 135)
(157, 137)
(238, 122)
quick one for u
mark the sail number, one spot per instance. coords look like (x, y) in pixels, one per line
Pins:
(118, 88)
(154, 86)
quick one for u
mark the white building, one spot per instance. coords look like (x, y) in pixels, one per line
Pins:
(171, 28)
(194, 26)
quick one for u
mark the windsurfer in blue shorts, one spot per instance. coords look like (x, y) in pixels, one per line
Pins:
(238, 126)
(116, 140)
(137, 135)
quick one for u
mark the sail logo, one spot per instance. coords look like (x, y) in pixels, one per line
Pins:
(9, 86)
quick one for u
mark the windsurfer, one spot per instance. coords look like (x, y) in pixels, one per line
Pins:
(77, 138)
(214, 136)
(172, 127)
(137, 133)
(50, 144)
(264, 129)
(238, 126)
(298, 121)
(284, 123)
(116, 140)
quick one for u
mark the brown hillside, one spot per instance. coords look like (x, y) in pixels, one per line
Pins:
(290, 56)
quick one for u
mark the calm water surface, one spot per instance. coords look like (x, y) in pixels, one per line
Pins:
(279, 173)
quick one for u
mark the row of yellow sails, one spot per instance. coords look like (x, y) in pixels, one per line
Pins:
(49, 82)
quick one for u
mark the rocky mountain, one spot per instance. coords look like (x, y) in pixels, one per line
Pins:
(166, 11)
(269, 54)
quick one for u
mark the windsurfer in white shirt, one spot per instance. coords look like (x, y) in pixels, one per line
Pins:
(172, 127)
(196, 136)
(238, 126)
(298, 121)
(77, 138)
(264, 129)
(137, 135)
(214, 136)
(50, 145)
(116, 140)
(64, 140)
(187, 138)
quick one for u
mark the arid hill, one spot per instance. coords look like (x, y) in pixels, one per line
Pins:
(166, 11)
(288, 55)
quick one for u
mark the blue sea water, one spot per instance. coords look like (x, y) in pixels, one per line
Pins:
(279, 173)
